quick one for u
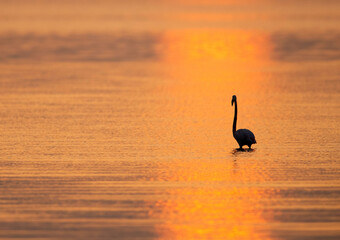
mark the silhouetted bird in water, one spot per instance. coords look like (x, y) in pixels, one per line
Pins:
(242, 136)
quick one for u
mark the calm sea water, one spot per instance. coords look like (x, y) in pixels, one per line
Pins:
(116, 120)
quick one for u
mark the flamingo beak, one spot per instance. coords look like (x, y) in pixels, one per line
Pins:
(232, 102)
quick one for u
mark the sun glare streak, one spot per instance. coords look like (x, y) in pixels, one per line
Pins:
(218, 204)
(218, 58)
(228, 46)
(217, 200)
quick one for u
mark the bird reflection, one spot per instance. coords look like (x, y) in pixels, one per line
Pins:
(237, 151)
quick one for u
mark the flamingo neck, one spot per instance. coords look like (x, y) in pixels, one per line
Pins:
(235, 119)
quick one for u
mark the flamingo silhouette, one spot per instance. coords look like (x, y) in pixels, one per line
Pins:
(242, 136)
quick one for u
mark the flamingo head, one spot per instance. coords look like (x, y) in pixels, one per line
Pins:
(233, 100)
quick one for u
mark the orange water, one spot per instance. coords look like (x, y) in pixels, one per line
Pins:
(116, 120)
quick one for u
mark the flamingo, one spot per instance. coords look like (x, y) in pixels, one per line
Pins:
(242, 136)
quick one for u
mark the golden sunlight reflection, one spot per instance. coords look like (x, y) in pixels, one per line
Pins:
(230, 46)
(219, 58)
(220, 204)
(209, 198)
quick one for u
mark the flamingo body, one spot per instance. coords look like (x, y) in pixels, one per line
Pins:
(244, 137)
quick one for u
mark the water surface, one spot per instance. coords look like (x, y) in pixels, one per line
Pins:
(116, 120)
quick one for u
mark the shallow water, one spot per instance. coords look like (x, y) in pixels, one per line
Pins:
(121, 129)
